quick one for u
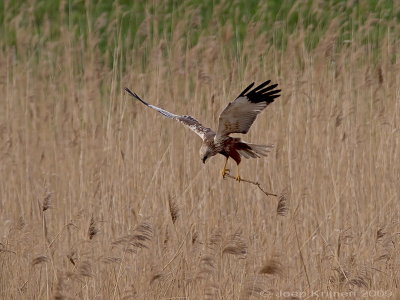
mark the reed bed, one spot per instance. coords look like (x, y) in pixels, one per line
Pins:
(101, 198)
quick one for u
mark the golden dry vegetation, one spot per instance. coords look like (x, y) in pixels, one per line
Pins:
(102, 198)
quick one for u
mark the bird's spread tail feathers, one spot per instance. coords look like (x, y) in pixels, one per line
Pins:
(248, 150)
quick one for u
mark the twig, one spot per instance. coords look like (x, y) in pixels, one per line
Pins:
(301, 257)
(8, 251)
(179, 249)
(227, 175)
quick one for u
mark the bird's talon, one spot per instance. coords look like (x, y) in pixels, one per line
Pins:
(238, 178)
(224, 172)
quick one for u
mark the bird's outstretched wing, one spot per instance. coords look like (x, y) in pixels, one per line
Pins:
(188, 121)
(240, 114)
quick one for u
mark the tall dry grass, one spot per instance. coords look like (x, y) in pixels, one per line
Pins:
(101, 198)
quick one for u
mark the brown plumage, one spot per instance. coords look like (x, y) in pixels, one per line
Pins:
(237, 117)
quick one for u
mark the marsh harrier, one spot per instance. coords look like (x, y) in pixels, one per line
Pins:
(237, 117)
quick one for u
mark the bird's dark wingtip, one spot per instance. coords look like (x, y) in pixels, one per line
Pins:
(134, 95)
(263, 92)
(245, 90)
(129, 92)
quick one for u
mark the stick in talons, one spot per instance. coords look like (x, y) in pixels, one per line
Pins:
(227, 175)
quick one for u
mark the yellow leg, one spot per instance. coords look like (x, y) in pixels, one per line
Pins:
(225, 171)
(238, 176)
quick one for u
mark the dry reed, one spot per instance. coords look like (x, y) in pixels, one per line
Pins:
(66, 125)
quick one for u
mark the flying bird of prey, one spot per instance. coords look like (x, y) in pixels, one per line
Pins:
(237, 117)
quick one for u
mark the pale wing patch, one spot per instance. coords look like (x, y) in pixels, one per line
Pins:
(164, 112)
(194, 125)
(241, 113)
(238, 116)
(188, 121)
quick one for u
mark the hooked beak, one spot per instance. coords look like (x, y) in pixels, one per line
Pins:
(204, 160)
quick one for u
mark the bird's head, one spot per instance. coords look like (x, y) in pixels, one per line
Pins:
(205, 153)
